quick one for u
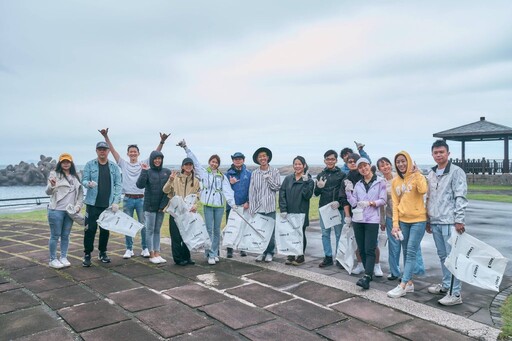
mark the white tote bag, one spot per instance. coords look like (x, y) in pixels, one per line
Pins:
(119, 222)
(256, 233)
(330, 216)
(289, 236)
(347, 247)
(232, 232)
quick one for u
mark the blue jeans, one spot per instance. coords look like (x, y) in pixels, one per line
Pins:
(60, 227)
(212, 220)
(442, 233)
(154, 222)
(394, 247)
(413, 234)
(131, 205)
(326, 235)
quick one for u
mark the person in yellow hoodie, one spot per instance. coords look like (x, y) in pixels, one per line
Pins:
(409, 216)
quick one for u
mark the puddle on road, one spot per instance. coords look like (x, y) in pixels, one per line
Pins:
(208, 279)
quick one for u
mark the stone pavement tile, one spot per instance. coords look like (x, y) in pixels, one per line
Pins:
(65, 297)
(4, 255)
(79, 273)
(278, 330)
(3, 280)
(465, 309)
(162, 281)
(195, 295)
(55, 334)
(33, 274)
(48, 284)
(213, 333)
(274, 278)
(19, 248)
(138, 299)
(375, 314)
(9, 286)
(40, 242)
(41, 256)
(111, 283)
(220, 280)
(15, 300)
(173, 319)
(306, 314)
(236, 315)
(15, 263)
(134, 269)
(126, 331)
(91, 315)
(354, 330)
(25, 322)
(189, 271)
(320, 293)
(8, 234)
(6, 242)
(259, 295)
(236, 268)
(423, 330)
(23, 237)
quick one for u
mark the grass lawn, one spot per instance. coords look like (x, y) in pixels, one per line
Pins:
(506, 315)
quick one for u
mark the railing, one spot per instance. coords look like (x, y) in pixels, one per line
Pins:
(12, 202)
(482, 166)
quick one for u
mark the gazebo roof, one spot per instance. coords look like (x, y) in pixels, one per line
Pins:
(477, 131)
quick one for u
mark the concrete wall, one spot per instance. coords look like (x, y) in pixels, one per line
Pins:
(486, 179)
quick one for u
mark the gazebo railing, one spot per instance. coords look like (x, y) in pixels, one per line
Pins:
(481, 166)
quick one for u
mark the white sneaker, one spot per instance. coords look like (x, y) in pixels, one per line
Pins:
(145, 253)
(162, 260)
(56, 264)
(260, 258)
(154, 260)
(211, 260)
(128, 254)
(437, 290)
(268, 258)
(217, 259)
(358, 269)
(377, 271)
(450, 300)
(64, 261)
(409, 287)
(398, 291)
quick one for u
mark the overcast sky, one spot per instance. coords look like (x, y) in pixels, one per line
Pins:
(299, 77)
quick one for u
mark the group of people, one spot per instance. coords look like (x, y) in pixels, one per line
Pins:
(405, 205)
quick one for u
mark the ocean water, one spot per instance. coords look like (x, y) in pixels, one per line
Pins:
(8, 193)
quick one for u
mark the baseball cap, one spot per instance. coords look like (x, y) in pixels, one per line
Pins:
(238, 155)
(102, 144)
(65, 156)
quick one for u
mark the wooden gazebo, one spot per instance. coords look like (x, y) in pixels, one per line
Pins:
(480, 131)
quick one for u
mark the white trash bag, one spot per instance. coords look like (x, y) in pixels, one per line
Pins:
(119, 222)
(347, 247)
(330, 216)
(257, 233)
(191, 225)
(289, 236)
(232, 232)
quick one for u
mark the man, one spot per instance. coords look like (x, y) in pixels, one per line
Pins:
(265, 183)
(446, 207)
(327, 187)
(102, 179)
(345, 152)
(239, 178)
(133, 196)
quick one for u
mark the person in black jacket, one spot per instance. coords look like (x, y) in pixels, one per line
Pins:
(153, 178)
(294, 196)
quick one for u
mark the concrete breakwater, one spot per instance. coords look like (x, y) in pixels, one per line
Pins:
(28, 174)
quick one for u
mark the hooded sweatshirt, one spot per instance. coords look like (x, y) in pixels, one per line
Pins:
(153, 181)
(407, 194)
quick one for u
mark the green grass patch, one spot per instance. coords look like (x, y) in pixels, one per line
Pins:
(490, 197)
(506, 315)
(489, 188)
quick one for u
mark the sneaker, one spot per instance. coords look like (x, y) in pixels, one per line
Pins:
(437, 290)
(211, 260)
(154, 260)
(326, 262)
(450, 300)
(377, 271)
(128, 254)
(398, 291)
(359, 145)
(103, 257)
(162, 260)
(230, 252)
(243, 254)
(289, 260)
(298, 261)
(145, 253)
(358, 269)
(268, 258)
(190, 261)
(392, 277)
(87, 260)
(56, 264)
(65, 262)
(260, 258)
(364, 282)
(409, 287)
(182, 263)
(216, 259)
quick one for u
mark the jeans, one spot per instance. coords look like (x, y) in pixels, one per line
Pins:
(60, 227)
(413, 234)
(131, 205)
(366, 237)
(441, 233)
(154, 222)
(326, 235)
(92, 213)
(213, 219)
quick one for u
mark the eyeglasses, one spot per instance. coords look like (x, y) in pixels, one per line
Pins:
(330, 159)
(351, 161)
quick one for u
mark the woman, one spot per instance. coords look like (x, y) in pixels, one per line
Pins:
(181, 184)
(294, 195)
(215, 191)
(409, 216)
(368, 194)
(66, 198)
(394, 245)
(153, 178)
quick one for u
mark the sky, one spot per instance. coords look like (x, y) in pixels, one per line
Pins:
(299, 77)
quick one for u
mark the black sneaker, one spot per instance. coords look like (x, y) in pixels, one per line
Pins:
(190, 262)
(326, 262)
(364, 282)
(87, 260)
(243, 254)
(230, 252)
(103, 257)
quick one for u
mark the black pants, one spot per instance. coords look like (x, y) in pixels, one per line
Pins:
(92, 213)
(366, 238)
(304, 240)
(179, 249)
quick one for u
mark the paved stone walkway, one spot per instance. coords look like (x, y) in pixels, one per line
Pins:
(236, 299)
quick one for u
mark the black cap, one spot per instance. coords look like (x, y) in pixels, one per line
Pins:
(102, 144)
(238, 155)
(186, 160)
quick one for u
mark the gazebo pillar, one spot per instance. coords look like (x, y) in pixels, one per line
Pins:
(463, 155)
(506, 161)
